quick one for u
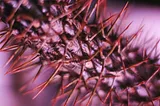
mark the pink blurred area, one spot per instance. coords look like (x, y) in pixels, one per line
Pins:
(9, 86)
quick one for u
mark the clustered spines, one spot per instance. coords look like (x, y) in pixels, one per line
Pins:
(91, 62)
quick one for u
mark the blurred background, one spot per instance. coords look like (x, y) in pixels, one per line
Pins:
(141, 12)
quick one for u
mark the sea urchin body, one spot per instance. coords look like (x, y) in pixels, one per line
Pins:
(90, 60)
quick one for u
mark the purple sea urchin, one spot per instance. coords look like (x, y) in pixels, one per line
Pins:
(90, 61)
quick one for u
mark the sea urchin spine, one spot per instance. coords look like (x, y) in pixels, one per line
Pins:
(90, 61)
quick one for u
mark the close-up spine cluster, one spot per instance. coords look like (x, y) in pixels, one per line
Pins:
(90, 61)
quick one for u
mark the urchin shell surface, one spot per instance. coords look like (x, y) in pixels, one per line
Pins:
(91, 62)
